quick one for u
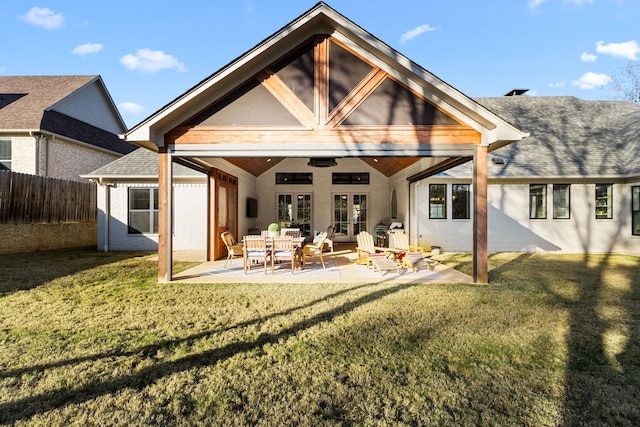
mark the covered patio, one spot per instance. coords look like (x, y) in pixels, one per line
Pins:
(320, 92)
(340, 268)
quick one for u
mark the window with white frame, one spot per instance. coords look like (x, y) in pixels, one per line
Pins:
(437, 201)
(561, 201)
(143, 210)
(537, 201)
(5, 154)
(460, 202)
(604, 201)
(635, 211)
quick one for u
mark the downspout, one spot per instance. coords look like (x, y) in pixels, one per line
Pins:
(36, 136)
(107, 215)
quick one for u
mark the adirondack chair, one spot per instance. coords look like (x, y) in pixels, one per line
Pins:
(314, 249)
(366, 249)
(234, 249)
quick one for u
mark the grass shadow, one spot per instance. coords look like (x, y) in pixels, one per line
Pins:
(30, 270)
(28, 407)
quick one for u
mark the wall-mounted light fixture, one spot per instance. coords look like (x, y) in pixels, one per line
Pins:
(497, 161)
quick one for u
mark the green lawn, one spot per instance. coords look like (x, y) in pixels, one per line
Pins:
(89, 338)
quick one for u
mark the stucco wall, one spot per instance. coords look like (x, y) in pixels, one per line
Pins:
(19, 238)
(510, 228)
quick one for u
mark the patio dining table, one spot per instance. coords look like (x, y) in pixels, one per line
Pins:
(298, 244)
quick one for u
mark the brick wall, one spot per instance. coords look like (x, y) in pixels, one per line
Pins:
(19, 238)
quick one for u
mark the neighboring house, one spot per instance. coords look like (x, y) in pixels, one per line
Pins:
(58, 126)
(323, 124)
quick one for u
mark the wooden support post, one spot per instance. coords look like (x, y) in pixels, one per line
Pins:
(480, 221)
(165, 241)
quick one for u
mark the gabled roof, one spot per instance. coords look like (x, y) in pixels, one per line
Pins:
(33, 104)
(321, 19)
(569, 138)
(141, 164)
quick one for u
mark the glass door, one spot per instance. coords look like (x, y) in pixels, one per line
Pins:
(295, 211)
(350, 216)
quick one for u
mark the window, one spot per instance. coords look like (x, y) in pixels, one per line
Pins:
(538, 201)
(5, 154)
(437, 201)
(294, 178)
(460, 201)
(350, 178)
(635, 211)
(561, 201)
(604, 201)
(294, 211)
(143, 210)
(394, 204)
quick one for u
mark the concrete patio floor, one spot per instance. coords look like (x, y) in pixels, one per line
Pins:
(340, 267)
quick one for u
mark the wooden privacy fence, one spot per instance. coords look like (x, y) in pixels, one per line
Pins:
(38, 199)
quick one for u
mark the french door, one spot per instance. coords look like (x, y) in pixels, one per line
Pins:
(295, 210)
(224, 215)
(350, 215)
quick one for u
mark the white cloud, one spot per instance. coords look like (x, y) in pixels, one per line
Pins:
(131, 107)
(411, 34)
(627, 50)
(86, 48)
(43, 17)
(592, 81)
(558, 84)
(535, 3)
(151, 61)
(588, 57)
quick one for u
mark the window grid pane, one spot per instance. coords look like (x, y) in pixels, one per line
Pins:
(437, 201)
(142, 217)
(635, 211)
(538, 201)
(5, 154)
(561, 201)
(604, 199)
(460, 207)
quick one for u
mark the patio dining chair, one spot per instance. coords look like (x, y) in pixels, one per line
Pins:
(255, 249)
(283, 248)
(314, 249)
(291, 232)
(366, 248)
(234, 249)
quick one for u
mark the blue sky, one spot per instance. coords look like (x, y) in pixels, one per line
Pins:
(150, 52)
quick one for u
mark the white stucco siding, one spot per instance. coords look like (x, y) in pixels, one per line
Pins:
(511, 229)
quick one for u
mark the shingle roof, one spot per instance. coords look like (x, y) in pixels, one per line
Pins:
(569, 137)
(26, 101)
(41, 92)
(141, 163)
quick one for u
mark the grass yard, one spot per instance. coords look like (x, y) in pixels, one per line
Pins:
(89, 338)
